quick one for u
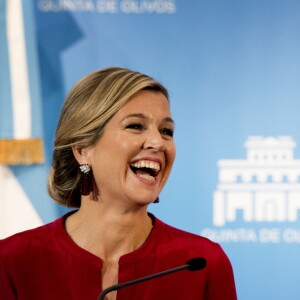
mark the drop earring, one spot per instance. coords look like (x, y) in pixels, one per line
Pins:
(156, 200)
(86, 180)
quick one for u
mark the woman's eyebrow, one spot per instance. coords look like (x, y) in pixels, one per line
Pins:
(136, 115)
(169, 120)
(142, 116)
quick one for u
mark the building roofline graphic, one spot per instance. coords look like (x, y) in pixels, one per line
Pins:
(265, 186)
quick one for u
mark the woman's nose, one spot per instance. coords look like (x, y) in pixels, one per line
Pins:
(154, 141)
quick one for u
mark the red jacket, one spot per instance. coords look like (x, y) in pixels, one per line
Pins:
(44, 263)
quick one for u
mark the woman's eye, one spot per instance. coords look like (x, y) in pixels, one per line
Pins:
(135, 126)
(168, 132)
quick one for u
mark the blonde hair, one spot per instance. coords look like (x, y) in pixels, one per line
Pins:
(90, 104)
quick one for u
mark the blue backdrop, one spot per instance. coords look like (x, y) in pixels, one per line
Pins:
(233, 69)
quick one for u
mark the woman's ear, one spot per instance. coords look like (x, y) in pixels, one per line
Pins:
(80, 155)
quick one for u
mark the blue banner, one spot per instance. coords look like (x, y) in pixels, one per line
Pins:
(232, 69)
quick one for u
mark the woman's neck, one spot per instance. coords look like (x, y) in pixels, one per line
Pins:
(108, 233)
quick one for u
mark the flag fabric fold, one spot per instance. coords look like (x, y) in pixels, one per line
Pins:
(21, 135)
(20, 122)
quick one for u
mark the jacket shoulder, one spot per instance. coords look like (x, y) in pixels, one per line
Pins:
(30, 239)
(187, 239)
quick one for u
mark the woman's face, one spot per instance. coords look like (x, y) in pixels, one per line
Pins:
(133, 158)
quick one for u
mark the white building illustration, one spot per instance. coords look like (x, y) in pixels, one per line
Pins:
(263, 188)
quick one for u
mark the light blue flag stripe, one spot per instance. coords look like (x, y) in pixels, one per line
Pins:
(6, 114)
(33, 69)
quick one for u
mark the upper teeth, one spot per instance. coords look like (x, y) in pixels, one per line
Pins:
(147, 164)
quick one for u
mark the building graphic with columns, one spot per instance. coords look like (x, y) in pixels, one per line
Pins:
(265, 187)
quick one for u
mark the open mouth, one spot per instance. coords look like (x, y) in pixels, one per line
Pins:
(146, 169)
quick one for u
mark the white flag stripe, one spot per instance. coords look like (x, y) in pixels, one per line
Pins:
(18, 70)
(16, 211)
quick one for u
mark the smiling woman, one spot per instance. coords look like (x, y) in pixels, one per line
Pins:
(113, 154)
(136, 150)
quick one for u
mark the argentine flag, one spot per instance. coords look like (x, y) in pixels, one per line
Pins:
(24, 202)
